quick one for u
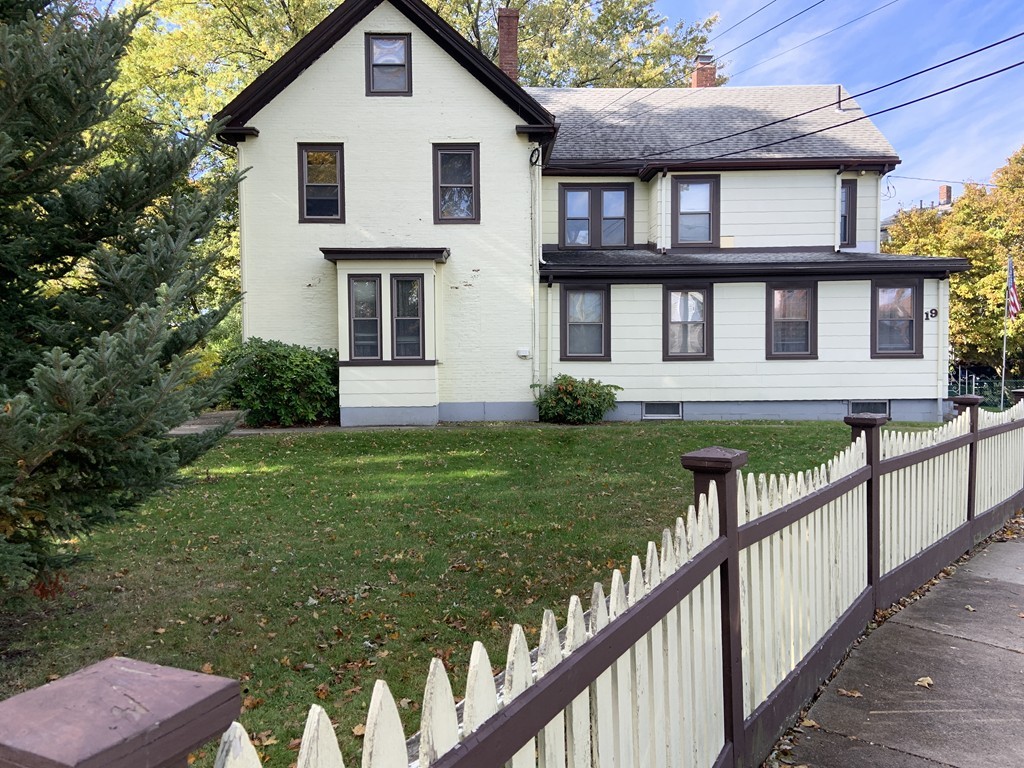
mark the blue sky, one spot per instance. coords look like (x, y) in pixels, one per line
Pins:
(963, 135)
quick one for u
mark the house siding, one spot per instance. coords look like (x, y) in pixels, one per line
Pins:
(740, 373)
(487, 286)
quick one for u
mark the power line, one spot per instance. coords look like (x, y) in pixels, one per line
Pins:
(745, 18)
(816, 37)
(686, 73)
(897, 81)
(847, 122)
(770, 29)
(945, 181)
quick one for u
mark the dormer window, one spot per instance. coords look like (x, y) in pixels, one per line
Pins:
(388, 65)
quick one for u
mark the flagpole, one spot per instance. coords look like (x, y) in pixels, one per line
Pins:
(1006, 314)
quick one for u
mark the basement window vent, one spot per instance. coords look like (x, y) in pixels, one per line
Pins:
(880, 407)
(663, 411)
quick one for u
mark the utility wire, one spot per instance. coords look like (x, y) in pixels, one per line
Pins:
(839, 101)
(816, 37)
(770, 29)
(745, 18)
(686, 73)
(948, 181)
(846, 122)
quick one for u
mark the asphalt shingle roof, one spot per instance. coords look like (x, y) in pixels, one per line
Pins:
(655, 125)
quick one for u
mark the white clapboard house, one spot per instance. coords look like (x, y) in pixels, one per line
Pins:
(458, 238)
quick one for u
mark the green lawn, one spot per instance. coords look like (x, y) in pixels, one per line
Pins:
(307, 566)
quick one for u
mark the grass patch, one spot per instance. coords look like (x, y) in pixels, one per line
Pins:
(308, 565)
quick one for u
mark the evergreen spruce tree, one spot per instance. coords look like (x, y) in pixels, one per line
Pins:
(98, 272)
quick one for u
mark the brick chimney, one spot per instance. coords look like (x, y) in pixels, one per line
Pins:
(945, 194)
(508, 42)
(705, 73)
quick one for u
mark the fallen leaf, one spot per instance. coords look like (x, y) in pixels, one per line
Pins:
(854, 694)
(808, 723)
(969, 608)
(264, 739)
(295, 744)
(250, 703)
(404, 703)
(359, 730)
(207, 668)
(925, 682)
(323, 691)
(159, 630)
(51, 678)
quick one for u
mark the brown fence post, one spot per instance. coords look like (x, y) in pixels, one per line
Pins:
(970, 403)
(870, 425)
(117, 713)
(720, 465)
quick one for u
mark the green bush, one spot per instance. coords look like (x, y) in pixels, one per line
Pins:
(284, 384)
(568, 400)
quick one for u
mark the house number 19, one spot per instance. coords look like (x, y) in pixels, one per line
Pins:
(931, 314)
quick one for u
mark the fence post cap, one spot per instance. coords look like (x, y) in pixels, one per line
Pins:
(967, 400)
(118, 713)
(866, 420)
(715, 460)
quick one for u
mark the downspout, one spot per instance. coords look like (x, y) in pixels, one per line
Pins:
(942, 350)
(536, 248)
(549, 355)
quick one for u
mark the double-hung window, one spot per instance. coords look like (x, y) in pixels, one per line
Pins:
(848, 214)
(792, 321)
(687, 327)
(321, 183)
(388, 65)
(364, 316)
(695, 206)
(897, 327)
(596, 215)
(586, 326)
(407, 317)
(456, 183)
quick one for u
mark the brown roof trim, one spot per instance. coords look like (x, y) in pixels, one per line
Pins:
(439, 255)
(866, 270)
(340, 22)
(233, 135)
(647, 171)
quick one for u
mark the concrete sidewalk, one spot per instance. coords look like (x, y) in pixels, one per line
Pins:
(967, 635)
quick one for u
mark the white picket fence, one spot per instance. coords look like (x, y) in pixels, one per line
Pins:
(659, 705)
(795, 583)
(925, 501)
(1000, 458)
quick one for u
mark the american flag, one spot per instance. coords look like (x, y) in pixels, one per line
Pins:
(1012, 299)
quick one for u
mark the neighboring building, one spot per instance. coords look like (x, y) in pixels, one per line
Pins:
(458, 238)
(944, 206)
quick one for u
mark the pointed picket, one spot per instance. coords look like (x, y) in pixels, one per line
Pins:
(481, 696)
(623, 683)
(602, 694)
(577, 720)
(641, 672)
(439, 725)
(236, 751)
(518, 677)
(551, 739)
(319, 746)
(383, 744)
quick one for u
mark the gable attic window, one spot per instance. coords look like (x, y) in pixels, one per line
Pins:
(321, 183)
(456, 183)
(695, 206)
(595, 215)
(388, 65)
(848, 214)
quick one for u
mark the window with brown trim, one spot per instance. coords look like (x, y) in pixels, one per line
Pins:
(687, 332)
(897, 318)
(364, 317)
(696, 209)
(388, 65)
(595, 215)
(456, 183)
(848, 214)
(321, 183)
(792, 321)
(586, 322)
(407, 317)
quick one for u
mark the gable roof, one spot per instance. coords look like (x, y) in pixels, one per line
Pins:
(340, 22)
(646, 130)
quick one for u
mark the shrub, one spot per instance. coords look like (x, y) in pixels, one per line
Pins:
(568, 400)
(284, 384)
